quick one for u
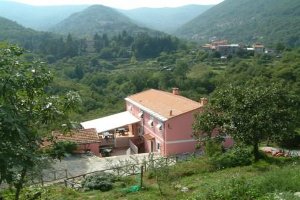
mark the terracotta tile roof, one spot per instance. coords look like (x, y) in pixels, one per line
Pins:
(163, 103)
(83, 136)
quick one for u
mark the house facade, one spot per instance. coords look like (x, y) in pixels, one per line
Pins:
(154, 121)
(165, 120)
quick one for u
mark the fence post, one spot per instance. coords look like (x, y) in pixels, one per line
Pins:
(66, 171)
(142, 174)
(66, 184)
(42, 181)
(54, 175)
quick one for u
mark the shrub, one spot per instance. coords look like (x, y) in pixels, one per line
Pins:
(237, 156)
(102, 182)
(291, 143)
(60, 149)
(212, 148)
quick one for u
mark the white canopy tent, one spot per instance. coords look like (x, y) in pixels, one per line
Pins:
(110, 122)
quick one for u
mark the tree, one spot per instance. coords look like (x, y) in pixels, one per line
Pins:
(257, 111)
(71, 47)
(27, 113)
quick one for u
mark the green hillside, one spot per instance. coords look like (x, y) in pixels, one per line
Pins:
(97, 19)
(165, 19)
(11, 30)
(268, 21)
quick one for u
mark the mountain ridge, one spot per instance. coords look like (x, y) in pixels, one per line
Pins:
(166, 19)
(36, 17)
(266, 21)
(97, 19)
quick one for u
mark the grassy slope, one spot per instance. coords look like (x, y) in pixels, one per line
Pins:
(258, 181)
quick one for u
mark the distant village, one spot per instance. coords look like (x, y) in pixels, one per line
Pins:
(225, 49)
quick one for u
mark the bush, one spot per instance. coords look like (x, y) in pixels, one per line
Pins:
(60, 149)
(291, 143)
(213, 148)
(102, 182)
(237, 156)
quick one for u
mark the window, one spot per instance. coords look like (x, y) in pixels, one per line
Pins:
(141, 114)
(158, 145)
(150, 123)
(159, 127)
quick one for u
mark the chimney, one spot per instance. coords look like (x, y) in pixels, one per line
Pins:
(203, 101)
(175, 91)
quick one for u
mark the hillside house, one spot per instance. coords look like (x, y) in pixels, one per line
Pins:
(154, 121)
(258, 48)
(223, 48)
(165, 120)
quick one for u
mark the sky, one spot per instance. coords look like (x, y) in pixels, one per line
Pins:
(122, 4)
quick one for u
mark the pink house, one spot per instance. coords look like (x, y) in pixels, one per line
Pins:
(165, 120)
(154, 121)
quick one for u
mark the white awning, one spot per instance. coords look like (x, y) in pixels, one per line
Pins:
(111, 122)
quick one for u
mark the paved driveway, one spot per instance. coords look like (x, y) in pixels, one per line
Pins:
(82, 164)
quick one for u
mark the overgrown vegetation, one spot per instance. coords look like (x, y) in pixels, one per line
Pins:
(102, 181)
(197, 179)
(60, 149)
(26, 114)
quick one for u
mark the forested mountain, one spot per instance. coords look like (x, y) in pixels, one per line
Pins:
(165, 19)
(10, 31)
(37, 17)
(47, 44)
(267, 21)
(97, 19)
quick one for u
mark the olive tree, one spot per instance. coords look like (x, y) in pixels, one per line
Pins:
(251, 113)
(27, 113)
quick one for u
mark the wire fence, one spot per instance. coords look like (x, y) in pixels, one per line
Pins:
(48, 176)
(132, 168)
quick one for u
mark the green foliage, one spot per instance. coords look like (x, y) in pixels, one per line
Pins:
(250, 117)
(159, 170)
(26, 113)
(236, 156)
(246, 182)
(52, 46)
(102, 182)
(213, 148)
(292, 142)
(267, 185)
(59, 149)
(236, 188)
